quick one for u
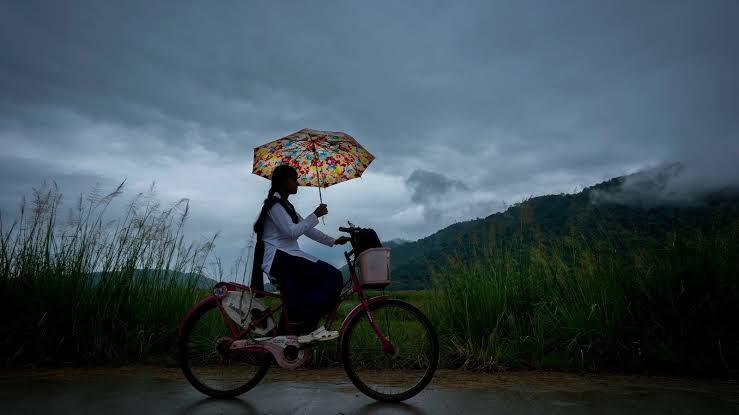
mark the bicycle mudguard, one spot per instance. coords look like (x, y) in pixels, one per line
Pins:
(210, 299)
(356, 310)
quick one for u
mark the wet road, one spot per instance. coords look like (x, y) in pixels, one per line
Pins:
(163, 391)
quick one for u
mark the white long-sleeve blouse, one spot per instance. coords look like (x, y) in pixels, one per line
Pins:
(281, 233)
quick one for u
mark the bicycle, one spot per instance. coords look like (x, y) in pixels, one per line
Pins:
(388, 348)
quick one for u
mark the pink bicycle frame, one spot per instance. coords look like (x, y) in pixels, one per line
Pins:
(356, 288)
(236, 332)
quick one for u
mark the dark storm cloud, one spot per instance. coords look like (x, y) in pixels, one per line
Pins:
(427, 185)
(19, 176)
(575, 74)
(444, 199)
(431, 190)
(515, 98)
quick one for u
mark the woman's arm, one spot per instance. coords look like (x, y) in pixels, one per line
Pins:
(317, 235)
(320, 237)
(284, 223)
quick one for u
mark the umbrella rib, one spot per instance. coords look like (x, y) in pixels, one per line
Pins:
(301, 154)
(331, 141)
(318, 174)
(326, 139)
(316, 165)
(315, 153)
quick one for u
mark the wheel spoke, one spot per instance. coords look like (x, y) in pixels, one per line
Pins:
(208, 363)
(398, 375)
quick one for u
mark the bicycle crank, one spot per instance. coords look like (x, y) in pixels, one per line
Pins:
(286, 350)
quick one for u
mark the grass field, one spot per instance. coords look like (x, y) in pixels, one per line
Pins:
(87, 291)
(573, 305)
(53, 309)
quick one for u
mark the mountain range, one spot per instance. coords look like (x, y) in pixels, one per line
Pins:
(615, 209)
(164, 277)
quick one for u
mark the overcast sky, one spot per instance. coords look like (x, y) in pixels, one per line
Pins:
(467, 106)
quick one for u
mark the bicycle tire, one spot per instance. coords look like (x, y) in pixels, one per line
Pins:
(184, 341)
(349, 365)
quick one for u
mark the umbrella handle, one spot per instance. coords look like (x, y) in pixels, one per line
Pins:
(321, 200)
(318, 175)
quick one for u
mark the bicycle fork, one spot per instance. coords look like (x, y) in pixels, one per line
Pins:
(387, 347)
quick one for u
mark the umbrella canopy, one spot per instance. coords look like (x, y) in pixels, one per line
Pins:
(322, 158)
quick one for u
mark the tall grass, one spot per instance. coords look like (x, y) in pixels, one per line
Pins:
(668, 306)
(85, 289)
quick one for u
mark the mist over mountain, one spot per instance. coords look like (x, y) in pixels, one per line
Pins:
(676, 183)
(634, 210)
(393, 243)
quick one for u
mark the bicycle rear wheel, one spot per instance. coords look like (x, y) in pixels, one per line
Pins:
(397, 376)
(206, 361)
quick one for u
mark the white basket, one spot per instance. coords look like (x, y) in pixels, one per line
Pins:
(374, 267)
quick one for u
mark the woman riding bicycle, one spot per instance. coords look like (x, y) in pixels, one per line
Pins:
(309, 286)
(388, 348)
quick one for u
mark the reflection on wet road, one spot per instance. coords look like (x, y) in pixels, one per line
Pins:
(154, 391)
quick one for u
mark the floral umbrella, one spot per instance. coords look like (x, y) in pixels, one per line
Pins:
(322, 158)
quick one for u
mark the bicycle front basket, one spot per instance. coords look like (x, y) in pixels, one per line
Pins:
(374, 268)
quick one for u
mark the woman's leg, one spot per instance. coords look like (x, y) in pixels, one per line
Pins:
(323, 292)
(284, 268)
(309, 288)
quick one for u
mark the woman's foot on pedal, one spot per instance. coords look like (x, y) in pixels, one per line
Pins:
(320, 334)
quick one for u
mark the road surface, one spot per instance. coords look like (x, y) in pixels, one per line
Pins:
(147, 390)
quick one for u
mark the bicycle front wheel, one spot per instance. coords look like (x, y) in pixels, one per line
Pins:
(396, 376)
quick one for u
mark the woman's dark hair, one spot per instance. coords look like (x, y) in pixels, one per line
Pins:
(279, 175)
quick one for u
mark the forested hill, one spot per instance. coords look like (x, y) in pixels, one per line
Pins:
(596, 213)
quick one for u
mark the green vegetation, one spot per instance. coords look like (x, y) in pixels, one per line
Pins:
(325, 353)
(89, 291)
(546, 219)
(555, 283)
(668, 305)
